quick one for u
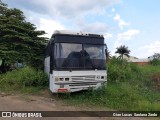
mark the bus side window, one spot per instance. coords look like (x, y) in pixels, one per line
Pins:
(55, 51)
(52, 59)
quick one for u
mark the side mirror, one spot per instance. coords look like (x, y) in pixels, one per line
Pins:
(105, 49)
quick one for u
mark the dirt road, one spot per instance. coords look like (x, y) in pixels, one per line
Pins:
(43, 103)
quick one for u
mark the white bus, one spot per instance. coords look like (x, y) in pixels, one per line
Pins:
(75, 61)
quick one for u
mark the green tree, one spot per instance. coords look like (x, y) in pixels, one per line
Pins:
(155, 59)
(19, 39)
(108, 54)
(156, 56)
(123, 50)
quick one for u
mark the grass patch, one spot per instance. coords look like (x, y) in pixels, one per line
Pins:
(27, 80)
(130, 87)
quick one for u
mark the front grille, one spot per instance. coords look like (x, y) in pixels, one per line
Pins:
(89, 77)
(82, 84)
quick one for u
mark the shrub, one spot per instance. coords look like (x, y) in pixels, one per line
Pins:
(156, 79)
(118, 70)
(24, 77)
(129, 87)
(155, 62)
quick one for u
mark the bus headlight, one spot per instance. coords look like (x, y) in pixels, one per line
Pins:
(102, 77)
(56, 79)
(66, 79)
(98, 77)
(61, 79)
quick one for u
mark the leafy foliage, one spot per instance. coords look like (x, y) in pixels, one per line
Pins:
(155, 62)
(19, 39)
(156, 59)
(156, 56)
(129, 87)
(123, 50)
(23, 78)
(108, 54)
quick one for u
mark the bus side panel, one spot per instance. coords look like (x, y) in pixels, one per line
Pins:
(47, 65)
(51, 82)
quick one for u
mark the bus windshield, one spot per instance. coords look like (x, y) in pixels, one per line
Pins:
(79, 56)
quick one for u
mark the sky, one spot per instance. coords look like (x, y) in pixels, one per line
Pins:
(133, 23)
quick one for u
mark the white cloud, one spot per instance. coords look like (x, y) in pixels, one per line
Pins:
(113, 9)
(66, 8)
(150, 49)
(74, 8)
(117, 44)
(97, 27)
(127, 35)
(69, 12)
(108, 35)
(49, 26)
(121, 23)
(121, 37)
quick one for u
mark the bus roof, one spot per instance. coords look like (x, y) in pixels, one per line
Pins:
(80, 33)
